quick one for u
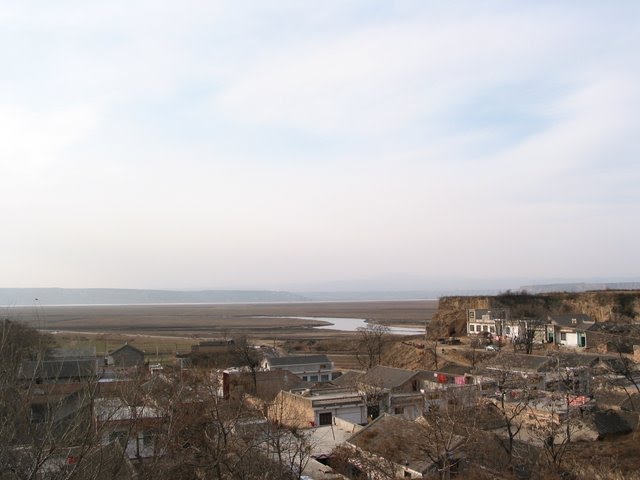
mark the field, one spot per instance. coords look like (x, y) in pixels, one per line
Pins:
(166, 329)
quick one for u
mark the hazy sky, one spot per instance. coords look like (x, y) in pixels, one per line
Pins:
(263, 144)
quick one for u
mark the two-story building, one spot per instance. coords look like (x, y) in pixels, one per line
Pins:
(491, 321)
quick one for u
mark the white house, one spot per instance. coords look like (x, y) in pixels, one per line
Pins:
(486, 320)
(568, 330)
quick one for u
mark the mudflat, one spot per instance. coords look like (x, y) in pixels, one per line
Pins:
(263, 319)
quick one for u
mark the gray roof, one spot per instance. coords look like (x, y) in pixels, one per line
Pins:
(395, 439)
(578, 321)
(71, 352)
(518, 362)
(59, 369)
(126, 346)
(217, 342)
(347, 379)
(576, 360)
(298, 360)
(386, 377)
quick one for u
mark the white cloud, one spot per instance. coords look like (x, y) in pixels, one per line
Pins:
(253, 143)
(31, 140)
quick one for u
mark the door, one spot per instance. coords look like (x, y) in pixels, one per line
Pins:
(325, 418)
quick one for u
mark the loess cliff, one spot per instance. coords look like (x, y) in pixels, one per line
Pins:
(621, 306)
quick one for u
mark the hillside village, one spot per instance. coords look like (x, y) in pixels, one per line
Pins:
(553, 395)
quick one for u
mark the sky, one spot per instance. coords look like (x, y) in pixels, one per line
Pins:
(257, 144)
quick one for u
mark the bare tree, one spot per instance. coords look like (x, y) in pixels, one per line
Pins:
(248, 356)
(625, 367)
(46, 409)
(530, 329)
(372, 340)
(512, 404)
(444, 434)
(553, 427)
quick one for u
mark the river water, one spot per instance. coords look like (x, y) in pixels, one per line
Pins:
(352, 325)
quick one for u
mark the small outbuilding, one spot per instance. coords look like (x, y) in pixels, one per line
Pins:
(125, 356)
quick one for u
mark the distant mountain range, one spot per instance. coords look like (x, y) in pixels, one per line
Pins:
(123, 296)
(114, 296)
(580, 287)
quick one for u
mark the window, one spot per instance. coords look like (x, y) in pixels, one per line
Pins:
(472, 314)
(563, 337)
(120, 437)
(485, 328)
(324, 378)
(507, 330)
(493, 329)
(313, 378)
(147, 439)
(399, 410)
(472, 328)
(305, 378)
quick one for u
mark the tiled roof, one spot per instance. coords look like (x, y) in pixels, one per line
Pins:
(347, 379)
(59, 368)
(573, 320)
(71, 352)
(395, 439)
(298, 360)
(126, 346)
(518, 362)
(575, 360)
(386, 377)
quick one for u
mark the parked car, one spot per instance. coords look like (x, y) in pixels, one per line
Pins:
(492, 348)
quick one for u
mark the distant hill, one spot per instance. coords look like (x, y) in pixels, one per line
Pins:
(580, 287)
(389, 295)
(114, 296)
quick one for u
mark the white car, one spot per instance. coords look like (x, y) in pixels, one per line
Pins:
(492, 348)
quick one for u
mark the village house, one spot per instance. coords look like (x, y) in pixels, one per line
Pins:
(133, 427)
(392, 390)
(310, 407)
(216, 345)
(126, 356)
(310, 368)
(236, 382)
(531, 369)
(568, 330)
(61, 366)
(451, 384)
(614, 337)
(389, 447)
(491, 321)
